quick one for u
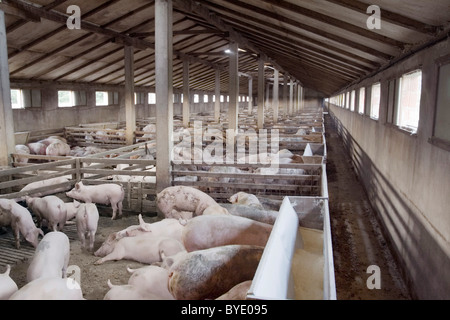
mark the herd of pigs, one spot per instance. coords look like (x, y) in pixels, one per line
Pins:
(199, 250)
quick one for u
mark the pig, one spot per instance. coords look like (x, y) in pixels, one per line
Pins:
(57, 148)
(21, 222)
(215, 209)
(124, 292)
(246, 199)
(71, 209)
(144, 248)
(22, 149)
(107, 193)
(165, 228)
(45, 183)
(209, 231)
(37, 148)
(209, 273)
(182, 202)
(151, 280)
(87, 222)
(50, 208)
(7, 285)
(5, 215)
(49, 288)
(238, 292)
(51, 257)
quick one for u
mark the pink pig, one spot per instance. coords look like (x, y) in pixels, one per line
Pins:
(107, 193)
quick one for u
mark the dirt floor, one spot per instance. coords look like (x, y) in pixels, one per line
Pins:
(93, 278)
(356, 235)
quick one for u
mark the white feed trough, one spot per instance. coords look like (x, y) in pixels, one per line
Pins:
(297, 262)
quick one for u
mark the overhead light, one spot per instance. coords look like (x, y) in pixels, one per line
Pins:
(227, 51)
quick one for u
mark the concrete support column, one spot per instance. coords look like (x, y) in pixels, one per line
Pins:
(7, 141)
(260, 94)
(130, 108)
(164, 92)
(268, 94)
(285, 98)
(217, 95)
(233, 106)
(275, 94)
(186, 94)
(250, 96)
(291, 97)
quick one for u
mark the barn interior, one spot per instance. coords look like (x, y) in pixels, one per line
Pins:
(353, 85)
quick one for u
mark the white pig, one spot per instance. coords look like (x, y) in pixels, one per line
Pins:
(51, 257)
(87, 222)
(57, 148)
(246, 199)
(144, 248)
(46, 183)
(108, 193)
(151, 280)
(181, 202)
(55, 288)
(72, 208)
(50, 208)
(7, 285)
(21, 222)
(165, 228)
(22, 149)
(124, 292)
(38, 148)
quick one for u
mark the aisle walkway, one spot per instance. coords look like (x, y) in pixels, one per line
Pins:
(357, 239)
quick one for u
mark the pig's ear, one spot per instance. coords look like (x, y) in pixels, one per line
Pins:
(76, 203)
(77, 186)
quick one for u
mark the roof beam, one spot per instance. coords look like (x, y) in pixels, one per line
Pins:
(389, 16)
(335, 22)
(211, 18)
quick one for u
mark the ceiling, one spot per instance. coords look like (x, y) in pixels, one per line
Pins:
(324, 44)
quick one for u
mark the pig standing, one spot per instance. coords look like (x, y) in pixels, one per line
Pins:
(50, 208)
(144, 248)
(87, 222)
(183, 202)
(72, 208)
(108, 193)
(21, 222)
(7, 285)
(51, 257)
(55, 288)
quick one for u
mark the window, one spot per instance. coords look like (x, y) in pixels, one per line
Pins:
(16, 99)
(222, 98)
(375, 101)
(101, 98)
(347, 100)
(214, 98)
(152, 98)
(408, 103)
(442, 117)
(205, 98)
(139, 98)
(181, 98)
(66, 99)
(352, 100)
(196, 98)
(362, 100)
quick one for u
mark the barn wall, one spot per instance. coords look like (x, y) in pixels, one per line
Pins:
(406, 177)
